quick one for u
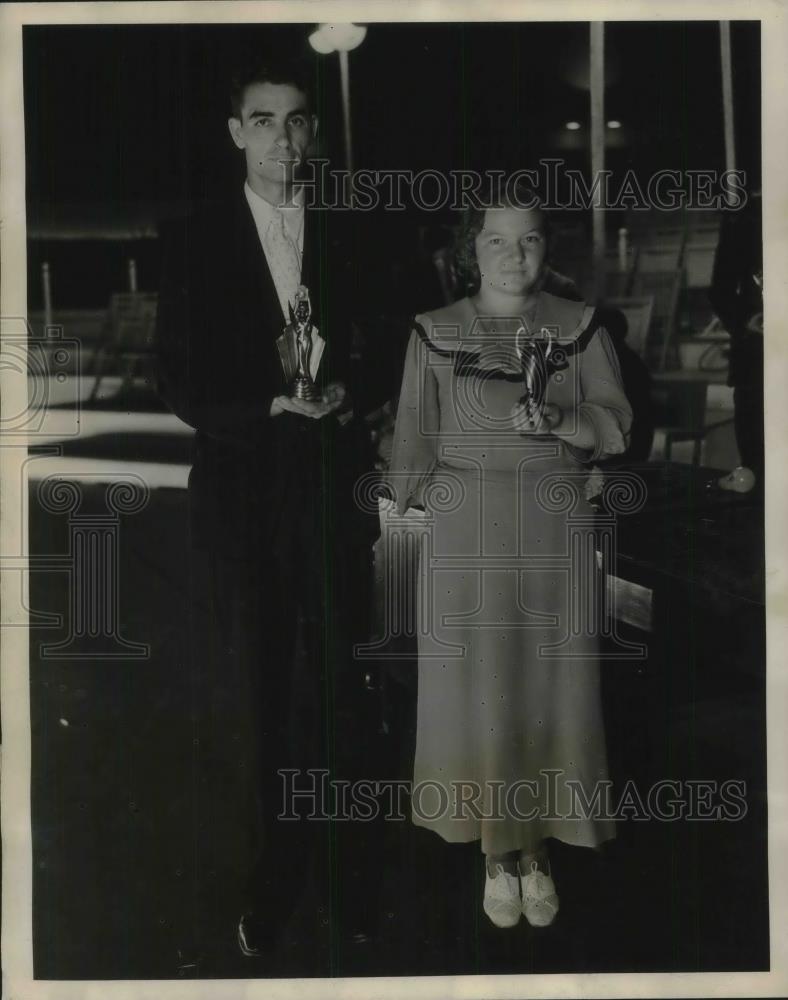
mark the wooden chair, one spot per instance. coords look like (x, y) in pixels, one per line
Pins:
(128, 337)
(680, 413)
(699, 257)
(637, 312)
(664, 287)
(662, 236)
(618, 278)
(704, 221)
(618, 273)
(658, 259)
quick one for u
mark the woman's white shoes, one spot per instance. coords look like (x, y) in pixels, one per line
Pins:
(507, 896)
(502, 897)
(540, 901)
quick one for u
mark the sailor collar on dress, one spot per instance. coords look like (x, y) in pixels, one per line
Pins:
(455, 328)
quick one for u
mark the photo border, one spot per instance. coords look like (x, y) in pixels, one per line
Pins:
(17, 958)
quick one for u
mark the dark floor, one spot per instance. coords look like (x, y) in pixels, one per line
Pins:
(113, 799)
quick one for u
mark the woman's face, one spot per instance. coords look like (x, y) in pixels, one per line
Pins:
(511, 250)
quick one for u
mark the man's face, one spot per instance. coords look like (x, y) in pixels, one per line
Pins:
(511, 249)
(274, 131)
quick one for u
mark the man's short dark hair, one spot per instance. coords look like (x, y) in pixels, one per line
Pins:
(268, 70)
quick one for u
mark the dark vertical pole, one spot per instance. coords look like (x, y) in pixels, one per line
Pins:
(344, 77)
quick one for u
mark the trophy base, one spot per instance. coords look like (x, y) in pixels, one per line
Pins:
(305, 388)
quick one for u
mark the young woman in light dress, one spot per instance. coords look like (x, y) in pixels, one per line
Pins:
(510, 740)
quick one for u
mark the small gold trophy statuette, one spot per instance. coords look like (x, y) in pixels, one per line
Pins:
(532, 361)
(301, 321)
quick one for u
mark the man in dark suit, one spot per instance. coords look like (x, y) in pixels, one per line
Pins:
(279, 547)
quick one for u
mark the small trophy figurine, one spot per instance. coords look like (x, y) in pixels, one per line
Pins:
(301, 321)
(532, 359)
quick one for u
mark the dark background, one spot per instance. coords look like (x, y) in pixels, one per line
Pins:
(129, 122)
(138, 113)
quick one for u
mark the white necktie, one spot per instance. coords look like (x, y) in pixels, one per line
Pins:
(283, 260)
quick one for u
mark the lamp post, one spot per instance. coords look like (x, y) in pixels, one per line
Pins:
(727, 94)
(597, 87)
(340, 38)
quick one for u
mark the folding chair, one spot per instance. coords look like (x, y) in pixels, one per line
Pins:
(128, 337)
(680, 413)
(664, 288)
(637, 312)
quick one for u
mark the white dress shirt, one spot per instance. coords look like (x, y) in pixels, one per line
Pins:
(264, 214)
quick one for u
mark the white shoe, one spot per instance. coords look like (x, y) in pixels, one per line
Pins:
(740, 480)
(540, 902)
(502, 897)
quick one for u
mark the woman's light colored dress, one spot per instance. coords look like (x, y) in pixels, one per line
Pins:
(509, 713)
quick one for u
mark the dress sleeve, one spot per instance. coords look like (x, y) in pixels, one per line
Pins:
(415, 444)
(603, 400)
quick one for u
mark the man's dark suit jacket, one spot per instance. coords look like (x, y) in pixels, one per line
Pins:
(219, 369)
